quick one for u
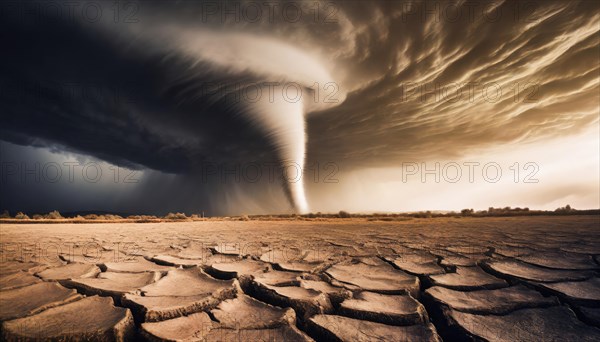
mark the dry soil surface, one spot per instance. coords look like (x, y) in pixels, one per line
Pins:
(451, 279)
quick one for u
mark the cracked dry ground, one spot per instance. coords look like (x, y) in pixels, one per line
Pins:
(497, 279)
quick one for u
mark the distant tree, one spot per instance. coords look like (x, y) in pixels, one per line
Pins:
(344, 214)
(565, 209)
(467, 212)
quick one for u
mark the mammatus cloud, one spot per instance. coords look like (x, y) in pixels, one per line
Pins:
(412, 81)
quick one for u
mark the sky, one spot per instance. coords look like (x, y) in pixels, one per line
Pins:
(245, 107)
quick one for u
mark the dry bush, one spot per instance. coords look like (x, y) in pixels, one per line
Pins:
(5, 214)
(176, 216)
(53, 215)
(21, 216)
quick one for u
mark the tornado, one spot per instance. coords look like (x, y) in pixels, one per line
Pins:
(281, 117)
(286, 84)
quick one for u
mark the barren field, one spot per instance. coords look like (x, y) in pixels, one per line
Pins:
(496, 279)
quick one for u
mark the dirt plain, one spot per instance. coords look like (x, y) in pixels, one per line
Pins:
(450, 279)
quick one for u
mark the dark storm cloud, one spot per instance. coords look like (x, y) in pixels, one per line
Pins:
(131, 93)
(65, 85)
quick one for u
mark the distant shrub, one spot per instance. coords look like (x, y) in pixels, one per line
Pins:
(37, 217)
(467, 212)
(21, 216)
(53, 215)
(344, 214)
(565, 209)
(5, 214)
(244, 218)
(91, 217)
(176, 216)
